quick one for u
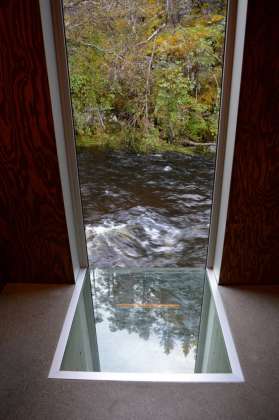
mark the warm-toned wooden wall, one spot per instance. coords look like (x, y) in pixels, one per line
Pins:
(34, 243)
(251, 249)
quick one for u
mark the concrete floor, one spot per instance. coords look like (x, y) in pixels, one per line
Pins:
(31, 317)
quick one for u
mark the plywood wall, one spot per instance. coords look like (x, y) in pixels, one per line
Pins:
(251, 249)
(34, 245)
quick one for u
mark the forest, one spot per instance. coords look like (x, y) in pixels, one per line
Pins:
(145, 75)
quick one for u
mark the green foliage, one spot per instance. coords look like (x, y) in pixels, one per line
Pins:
(144, 77)
(178, 113)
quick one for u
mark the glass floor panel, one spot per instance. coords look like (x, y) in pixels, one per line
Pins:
(155, 321)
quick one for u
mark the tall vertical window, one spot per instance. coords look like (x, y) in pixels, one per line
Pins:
(146, 80)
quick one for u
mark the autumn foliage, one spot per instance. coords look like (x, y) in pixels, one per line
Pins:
(146, 74)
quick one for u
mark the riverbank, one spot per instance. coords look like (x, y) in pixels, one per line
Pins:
(108, 143)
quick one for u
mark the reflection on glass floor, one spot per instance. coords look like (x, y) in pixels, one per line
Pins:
(161, 321)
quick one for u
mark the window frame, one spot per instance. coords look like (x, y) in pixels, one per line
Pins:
(57, 69)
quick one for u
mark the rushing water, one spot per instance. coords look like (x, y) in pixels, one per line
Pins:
(146, 211)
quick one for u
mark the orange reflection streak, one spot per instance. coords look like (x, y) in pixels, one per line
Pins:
(148, 305)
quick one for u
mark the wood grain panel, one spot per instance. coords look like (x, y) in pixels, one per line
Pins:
(34, 245)
(251, 248)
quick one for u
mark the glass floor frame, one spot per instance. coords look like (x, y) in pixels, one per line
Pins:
(63, 366)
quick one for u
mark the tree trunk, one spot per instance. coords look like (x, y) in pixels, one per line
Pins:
(172, 10)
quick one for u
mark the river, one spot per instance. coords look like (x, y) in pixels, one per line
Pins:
(146, 210)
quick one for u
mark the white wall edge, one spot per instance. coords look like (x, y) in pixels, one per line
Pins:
(222, 126)
(62, 342)
(65, 176)
(225, 327)
(68, 120)
(231, 132)
(149, 377)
